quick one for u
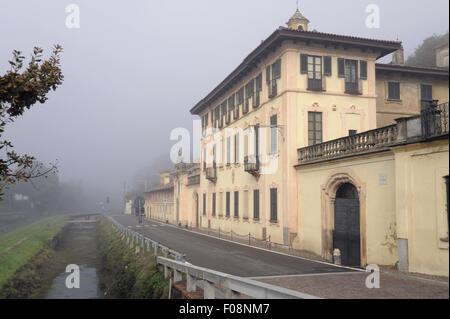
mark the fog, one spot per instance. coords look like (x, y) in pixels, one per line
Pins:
(134, 69)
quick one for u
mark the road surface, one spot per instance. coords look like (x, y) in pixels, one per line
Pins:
(227, 257)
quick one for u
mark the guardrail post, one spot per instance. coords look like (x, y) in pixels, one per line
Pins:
(166, 272)
(177, 277)
(209, 291)
(249, 239)
(231, 294)
(155, 249)
(191, 283)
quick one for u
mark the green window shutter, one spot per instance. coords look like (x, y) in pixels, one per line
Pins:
(363, 70)
(303, 63)
(327, 66)
(273, 205)
(276, 69)
(256, 204)
(236, 204)
(341, 68)
(228, 204)
(268, 77)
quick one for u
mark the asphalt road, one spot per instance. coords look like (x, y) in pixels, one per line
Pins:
(227, 257)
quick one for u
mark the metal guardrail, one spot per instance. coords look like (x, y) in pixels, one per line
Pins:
(233, 286)
(145, 242)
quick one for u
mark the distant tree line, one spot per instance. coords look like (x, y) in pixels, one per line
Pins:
(425, 54)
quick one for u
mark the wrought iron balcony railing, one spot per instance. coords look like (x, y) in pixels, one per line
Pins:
(316, 84)
(354, 88)
(211, 173)
(252, 165)
(435, 120)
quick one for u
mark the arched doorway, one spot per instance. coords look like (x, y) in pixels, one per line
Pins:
(347, 225)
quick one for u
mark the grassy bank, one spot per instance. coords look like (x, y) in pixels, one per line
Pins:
(21, 253)
(125, 274)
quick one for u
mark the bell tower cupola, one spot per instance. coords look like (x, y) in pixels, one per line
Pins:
(298, 21)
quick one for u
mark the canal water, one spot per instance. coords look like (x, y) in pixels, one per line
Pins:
(77, 246)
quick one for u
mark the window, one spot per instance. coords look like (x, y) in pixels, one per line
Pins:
(236, 148)
(214, 204)
(231, 105)
(426, 95)
(276, 70)
(258, 89)
(245, 205)
(228, 204)
(351, 71)
(314, 128)
(327, 66)
(273, 205)
(204, 204)
(217, 117)
(394, 91)
(236, 204)
(205, 123)
(249, 90)
(228, 150)
(256, 204)
(273, 73)
(240, 101)
(314, 67)
(274, 134)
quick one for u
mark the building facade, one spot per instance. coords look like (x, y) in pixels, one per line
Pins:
(310, 130)
(296, 89)
(159, 201)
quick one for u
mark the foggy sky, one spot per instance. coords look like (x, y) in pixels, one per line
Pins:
(135, 68)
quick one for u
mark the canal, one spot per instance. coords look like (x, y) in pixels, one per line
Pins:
(77, 246)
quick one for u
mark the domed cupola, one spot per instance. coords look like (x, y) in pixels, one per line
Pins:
(298, 22)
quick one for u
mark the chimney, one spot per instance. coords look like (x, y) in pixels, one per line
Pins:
(398, 57)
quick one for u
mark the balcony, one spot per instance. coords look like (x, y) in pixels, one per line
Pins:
(354, 88)
(252, 165)
(431, 125)
(316, 84)
(369, 141)
(193, 180)
(211, 173)
(273, 88)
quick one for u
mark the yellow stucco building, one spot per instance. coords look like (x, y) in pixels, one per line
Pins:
(308, 128)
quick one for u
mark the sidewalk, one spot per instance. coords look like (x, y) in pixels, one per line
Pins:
(394, 285)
